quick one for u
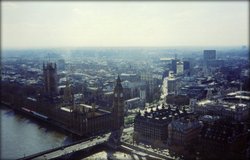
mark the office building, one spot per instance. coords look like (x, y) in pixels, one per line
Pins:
(172, 83)
(209, 55)
(179, 68)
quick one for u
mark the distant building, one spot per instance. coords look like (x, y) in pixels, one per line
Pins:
(186, 65)
(133, 103)
(174, 65)
(209, 55)
(147, 77)
(196, 91)
(210, 62)
(50, 79)
(238, 112)
(172, 84)
(129, 77)
(179, 68)
(132, 89)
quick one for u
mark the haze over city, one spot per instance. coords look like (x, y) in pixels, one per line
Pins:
(101, 24)
(125, 80)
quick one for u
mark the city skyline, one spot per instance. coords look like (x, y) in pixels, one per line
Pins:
(122, 24)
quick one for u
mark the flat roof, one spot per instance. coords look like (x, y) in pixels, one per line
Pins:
(133, 99)
(204, 102)
(86, 106)
(166, 59)
(66, 109)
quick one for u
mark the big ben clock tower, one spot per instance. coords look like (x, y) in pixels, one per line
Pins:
(118, 105)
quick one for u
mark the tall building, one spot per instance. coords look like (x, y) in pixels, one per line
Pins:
(118, 105)
(173, 65)
(172, 83)
(150, 85)
(209, 55)
(50, 79)
(186, 65)
(179, 68)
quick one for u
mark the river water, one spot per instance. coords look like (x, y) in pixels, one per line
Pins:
(22, 136)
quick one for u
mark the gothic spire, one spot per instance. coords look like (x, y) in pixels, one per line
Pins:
(118, 82)
(118, 79)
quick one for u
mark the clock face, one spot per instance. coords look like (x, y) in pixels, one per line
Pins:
(121, 95)
(115, 94)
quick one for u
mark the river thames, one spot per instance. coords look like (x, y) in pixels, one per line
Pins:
(22, 136)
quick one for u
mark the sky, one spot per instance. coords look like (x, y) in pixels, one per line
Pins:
(124, 24)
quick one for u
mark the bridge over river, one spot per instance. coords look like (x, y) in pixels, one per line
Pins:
(68, 150)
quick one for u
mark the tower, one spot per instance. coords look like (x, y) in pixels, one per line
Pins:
(68, 96)
(209, 57)
(50, 79)
(118, 105)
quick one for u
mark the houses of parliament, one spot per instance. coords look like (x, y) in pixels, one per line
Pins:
(61, 110)
(84, 119)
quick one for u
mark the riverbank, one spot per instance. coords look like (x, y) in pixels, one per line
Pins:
(22, 135)
(46, 122)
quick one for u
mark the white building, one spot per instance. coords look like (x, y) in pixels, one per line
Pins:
(179, 68)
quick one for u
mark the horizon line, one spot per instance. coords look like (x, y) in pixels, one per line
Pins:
(173, 46)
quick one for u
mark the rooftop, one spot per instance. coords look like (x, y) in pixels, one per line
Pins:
(164, 114)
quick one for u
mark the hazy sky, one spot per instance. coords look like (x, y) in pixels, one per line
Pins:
(80, 24)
